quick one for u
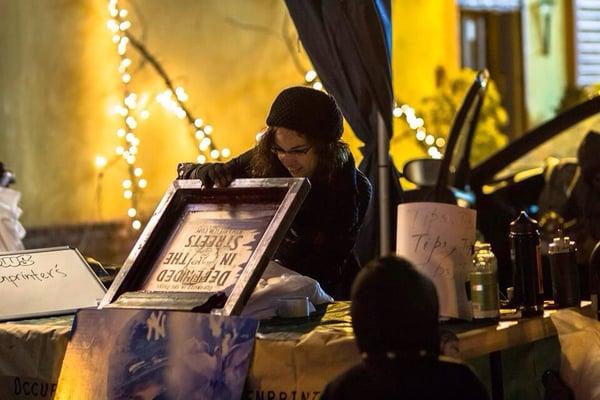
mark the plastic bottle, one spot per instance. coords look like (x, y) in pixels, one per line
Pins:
(484, 283)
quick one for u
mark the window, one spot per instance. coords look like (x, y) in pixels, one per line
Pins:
(490, 37)
(586, 15)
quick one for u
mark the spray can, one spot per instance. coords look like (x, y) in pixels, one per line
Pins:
(527, 265)
(484, 284)
(564, 272)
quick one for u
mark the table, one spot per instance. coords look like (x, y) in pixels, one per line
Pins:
(31, 354)
(292, 359)
(509, 333)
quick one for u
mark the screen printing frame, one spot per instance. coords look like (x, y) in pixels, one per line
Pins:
(127, 290)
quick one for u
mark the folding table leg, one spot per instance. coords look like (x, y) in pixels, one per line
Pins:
(496, 374)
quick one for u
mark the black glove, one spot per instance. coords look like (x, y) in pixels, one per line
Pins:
(210, 174)
(185, 169)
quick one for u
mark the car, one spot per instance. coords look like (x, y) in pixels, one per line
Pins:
(510, 180)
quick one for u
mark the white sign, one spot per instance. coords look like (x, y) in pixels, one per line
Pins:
(437, 238)
(208, 251)
(43, 282)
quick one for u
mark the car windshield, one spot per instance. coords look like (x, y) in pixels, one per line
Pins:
(563, 145)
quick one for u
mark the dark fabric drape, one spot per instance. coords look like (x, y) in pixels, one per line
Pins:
(384, 10)
(346, 44)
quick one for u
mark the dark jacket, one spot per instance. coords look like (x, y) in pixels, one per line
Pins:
(419, 380)
(321, 239)
(570, 192)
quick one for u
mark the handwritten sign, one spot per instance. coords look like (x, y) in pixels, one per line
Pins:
(209, 250)
(46, 282)
(437, 239)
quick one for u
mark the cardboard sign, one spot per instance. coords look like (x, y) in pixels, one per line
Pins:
(46, 282)
(130, 354)
(437, 238)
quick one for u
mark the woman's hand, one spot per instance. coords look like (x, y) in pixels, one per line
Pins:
(215, 174)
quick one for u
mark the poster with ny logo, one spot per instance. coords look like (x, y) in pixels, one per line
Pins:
(121, 354)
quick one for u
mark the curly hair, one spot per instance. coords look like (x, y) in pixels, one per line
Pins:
(331, 156)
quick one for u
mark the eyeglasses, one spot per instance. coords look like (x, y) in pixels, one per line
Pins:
(296, 151)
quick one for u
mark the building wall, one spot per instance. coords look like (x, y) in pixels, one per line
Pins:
(546, 75)
(425, 37)
(59, 85)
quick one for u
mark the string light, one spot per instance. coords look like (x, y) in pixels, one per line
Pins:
(434, 145)
(133, 109)
(130, 110)
(101, 162)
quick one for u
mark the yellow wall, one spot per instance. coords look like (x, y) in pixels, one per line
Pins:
(59, 84)
(545, 74)
(425, 36)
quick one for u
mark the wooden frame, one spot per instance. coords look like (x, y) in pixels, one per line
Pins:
(259, 211)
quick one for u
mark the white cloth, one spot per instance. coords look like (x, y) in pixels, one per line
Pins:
(579, 338)
(11, 230)
(279, 282)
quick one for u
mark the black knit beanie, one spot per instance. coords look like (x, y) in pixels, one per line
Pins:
(588, 155)
(395, 309)
(309, 111)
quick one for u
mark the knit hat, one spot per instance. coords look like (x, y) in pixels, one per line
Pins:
(394, 310)
(587, 155)
(308, 111)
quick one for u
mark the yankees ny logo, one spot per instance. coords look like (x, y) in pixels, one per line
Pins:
(156, 326)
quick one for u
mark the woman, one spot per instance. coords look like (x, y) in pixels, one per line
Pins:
(302, 139)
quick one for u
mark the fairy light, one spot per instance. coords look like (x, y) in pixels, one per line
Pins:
(132, 109)
(433, 144)
(101, 162)
(312, 79)
(310, 76)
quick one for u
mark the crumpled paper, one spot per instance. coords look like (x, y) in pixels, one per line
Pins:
(279, 282)
(579, 338)
(11, 230)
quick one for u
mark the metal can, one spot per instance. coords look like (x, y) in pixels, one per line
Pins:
(527, 265)
(564, 272)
